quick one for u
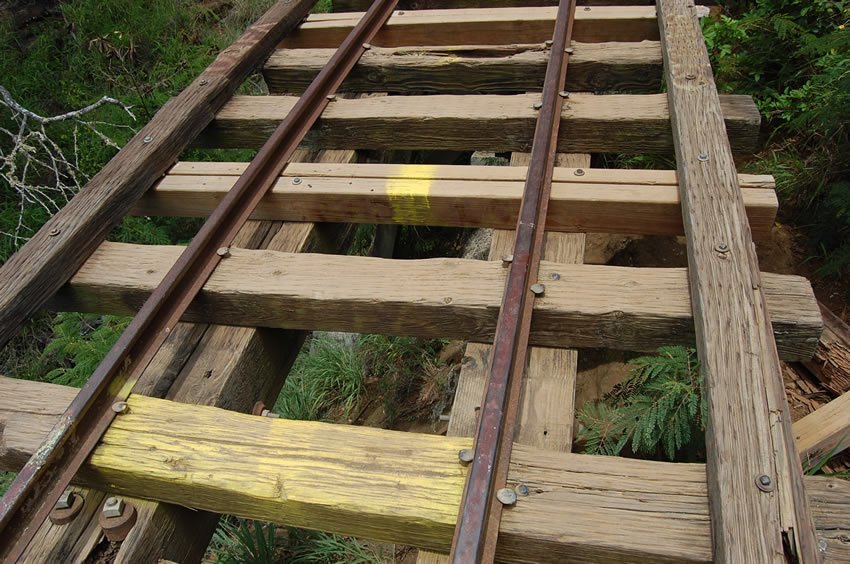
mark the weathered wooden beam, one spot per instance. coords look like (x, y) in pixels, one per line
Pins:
(547, 408)
(363, 5)
(53, 254)
(759, 510)
(405, 488)
(228, 367)
(496, 69)
(827, 429)
(612, 123)
(484, 26)
(434, 195)
(587, 306)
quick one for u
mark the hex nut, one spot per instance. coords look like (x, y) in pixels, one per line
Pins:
(113, 507)
(64, 515)
(117, 528)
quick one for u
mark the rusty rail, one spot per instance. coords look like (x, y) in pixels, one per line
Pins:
(477, 528)
(50, 470)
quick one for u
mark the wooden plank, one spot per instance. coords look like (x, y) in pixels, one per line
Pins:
(588, 306)
(824, 429)
(404, 487)
(228, 367)
(53, 254)
(831, 362)
(484, 26)
(547, 408)
(612, 123)
(412, 195)
(484, 69)
(363, 5)
(736, 347)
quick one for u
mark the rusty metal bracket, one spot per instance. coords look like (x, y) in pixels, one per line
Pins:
(40, 483)
(477, 528)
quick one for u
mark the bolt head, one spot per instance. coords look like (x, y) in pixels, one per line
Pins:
(297, 180)
(579, 172)
(466, 455)
(564, 94)
(690, 76)
(587, 8)
(367, 46)
(54, 232)
(506, 496)
(65, 500)
(537, 105)
(555, 276)
(204, 82)
(548, 43)
(147, 139)
(223, 252)
(401, 12)
(507, 259)
(569, 50)
(120, 407)
(113, 507)
(538, 289)
(522, 489)
(724, 248)
(822, 545)
(764, 483)
(331, 97)
(702, 157)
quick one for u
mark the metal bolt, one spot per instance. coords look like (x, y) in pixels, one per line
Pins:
(296, 181)
(54, 232)
(223, 252)
(506, 496)
(538, 289)
(690, 76)
(822, 545)
(465, 455)
(564, 94)
(113, 507)
(702, 157)
(555, 276)
(522, 489)
(367, 46)
(119, 407)
(569, 50)
(65, 500)
(67, 507)
(507, 259)
(268, 413)
(548, 43)
(537, 105)
(331, 97)
(764, 483)
(204, 82)
(579, 172)
(147, 139)
(447, 300)
(722, 248)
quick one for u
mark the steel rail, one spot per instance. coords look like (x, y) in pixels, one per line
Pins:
(477, 527)
(49, 471)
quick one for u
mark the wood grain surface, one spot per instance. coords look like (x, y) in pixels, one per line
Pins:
(619, 123)
(588, 306)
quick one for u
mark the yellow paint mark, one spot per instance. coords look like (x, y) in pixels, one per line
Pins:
(408, 192)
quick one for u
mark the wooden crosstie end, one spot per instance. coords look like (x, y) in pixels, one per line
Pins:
(442, 75)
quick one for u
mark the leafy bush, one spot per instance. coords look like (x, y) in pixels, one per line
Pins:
(659, 409)
(794, 59)
(81, 341)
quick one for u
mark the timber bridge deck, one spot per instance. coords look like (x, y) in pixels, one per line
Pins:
(429, 75)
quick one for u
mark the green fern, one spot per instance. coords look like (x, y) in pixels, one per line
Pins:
(659, 409)
(80, 342)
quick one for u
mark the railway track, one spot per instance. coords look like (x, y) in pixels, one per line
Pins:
(553, 85)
